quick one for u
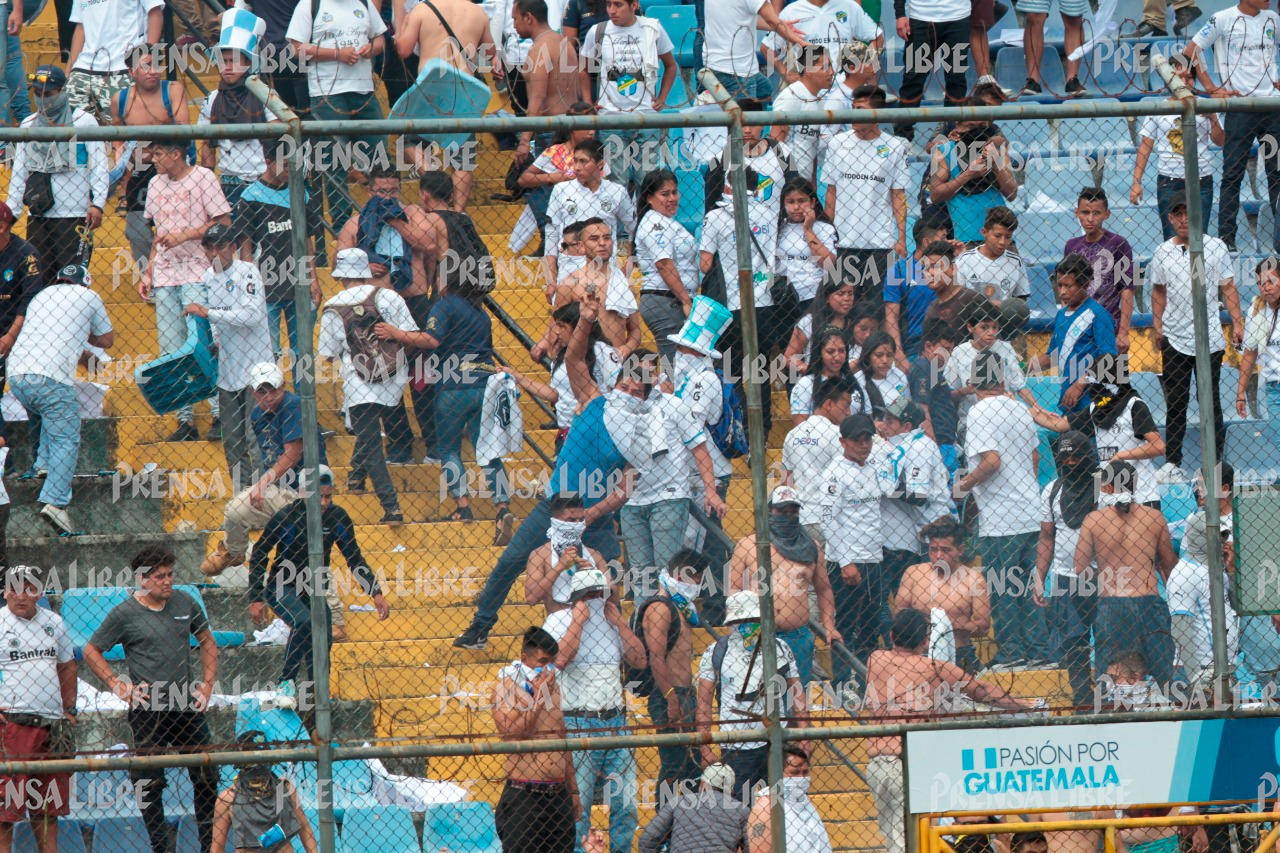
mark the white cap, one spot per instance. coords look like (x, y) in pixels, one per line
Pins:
(266, 373)
(742, 606)
(784, 495)
(18, 578)
(585, 581)
(719, 777)
(352, 263)
(326, 476)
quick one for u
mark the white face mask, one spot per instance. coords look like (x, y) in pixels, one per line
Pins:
(565, 534)
(795, 787)
(527, 674)
(686, 363)
(690, 591)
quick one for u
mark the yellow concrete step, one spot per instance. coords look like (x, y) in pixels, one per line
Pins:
(437, 653)
(441, 623)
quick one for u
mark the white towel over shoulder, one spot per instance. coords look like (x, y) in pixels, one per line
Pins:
(501, 423)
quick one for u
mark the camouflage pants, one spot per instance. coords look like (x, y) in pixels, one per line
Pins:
(92, 91)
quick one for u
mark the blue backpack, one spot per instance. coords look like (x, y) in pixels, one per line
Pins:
(730, 432)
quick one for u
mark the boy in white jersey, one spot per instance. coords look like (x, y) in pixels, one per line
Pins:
(997, 273)
(587, 195)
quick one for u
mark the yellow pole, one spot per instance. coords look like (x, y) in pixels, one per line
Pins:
(1269, 840)
(1109, 840)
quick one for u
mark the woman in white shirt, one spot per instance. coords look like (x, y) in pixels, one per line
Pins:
(806, 240)
(1262, 343)
(831, 307)
(828, 359)
(668, 258)
(877, 368)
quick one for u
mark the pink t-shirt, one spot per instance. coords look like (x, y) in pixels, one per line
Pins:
(177, 206)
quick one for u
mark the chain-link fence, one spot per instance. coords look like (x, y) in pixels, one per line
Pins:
(832, 421)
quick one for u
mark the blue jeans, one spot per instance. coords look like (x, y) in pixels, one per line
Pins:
(289, 310)
(59, 410)
(613, 772)
(800, 641)
(1167, 188)
(755, 86)
(15, 77)
(529, 536)
(458, 409)
(632, 154)
(347, 106)
(295, 610)
(1009, 563)
(653, 533)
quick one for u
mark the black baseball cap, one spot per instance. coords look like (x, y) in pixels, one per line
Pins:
(71, 274)
(1178, 200)
(218, 235)
(857, 426)
(1073, 443)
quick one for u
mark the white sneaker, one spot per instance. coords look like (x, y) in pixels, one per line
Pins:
(987, 78)
(58, 518)
(1170, 473)
(287, 695)
(430, 460)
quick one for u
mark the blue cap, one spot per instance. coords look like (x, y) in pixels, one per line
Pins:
(47, 77)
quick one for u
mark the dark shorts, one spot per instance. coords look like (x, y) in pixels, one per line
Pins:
(1138, 624)
(982, 13)
(22, 795)
(536, 821)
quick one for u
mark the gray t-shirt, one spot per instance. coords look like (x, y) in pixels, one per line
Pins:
(155, 644)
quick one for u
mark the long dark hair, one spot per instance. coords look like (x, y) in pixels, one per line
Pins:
(796, 184)
(818, 343)
(569, 315)
(874, 341)
(652, 182)
(578, 108)
(821, 312)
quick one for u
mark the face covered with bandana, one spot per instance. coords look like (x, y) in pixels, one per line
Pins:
(683, 594)
(786, 534)
(750, 633)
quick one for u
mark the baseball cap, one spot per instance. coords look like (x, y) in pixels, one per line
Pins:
(1178, 200)
(266, 373)
(742, 606)
(902, 409)
(19, 577)
(719, 777)
(857, 426)
(1073, 443)
(46, 78)
(218, 235)
(71, 274)
(784, 495)
(586, 582)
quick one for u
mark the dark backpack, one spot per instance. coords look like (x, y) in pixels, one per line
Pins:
(372, 359)
(469, 267)
(640, 679)
(729, 434)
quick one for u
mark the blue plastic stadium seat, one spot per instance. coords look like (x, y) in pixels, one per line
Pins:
(1042, 234)
(460, 826)
(189, 836)
(224, 639)
(891, 68)
(680, 22)
(70, 839)
(680, 96)
(382, 829)
(185, 376)
(279, 725)
(692, 198)
(102, 793)
(84, 609)
(1111, 70)
(120, 835)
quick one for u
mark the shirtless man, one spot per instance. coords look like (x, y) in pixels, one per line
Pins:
(539, 804)
(907, 684)
(456, 31)
(143, 103)
(620, 319)
(673, 702)
(795, 558)
(550, 71)
(945, 582)
(550, 568)
(1124, 537)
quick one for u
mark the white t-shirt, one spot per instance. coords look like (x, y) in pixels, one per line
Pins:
(111, 27)
(739, 677)
(959, 369)
(937, 11)
(667, 478)
(702, 393)
(33, 648)
(1262, 334)
(661, 238)
(237, 158)
(730, 37)
(1188, 594)
(1120, 436)
(996, 279)
(893, 386)
(796, 260)
(914, 462)
(803, 138)
(605, 373)
(333, 344)
(1171, 268)
(572, 201)
(1166, 134)
(593, 679)
(865, 173)
(59, 321)
(832, 25)
(838, 97)
(807, 451)
(238, 313)
(852, 521)
(624, 84)
(1244, 50)
(718, 235)
(1008, 500)
(338, 24)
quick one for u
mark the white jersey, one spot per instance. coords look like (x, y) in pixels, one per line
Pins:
(238, 314)
(33, 648)
(996, 279)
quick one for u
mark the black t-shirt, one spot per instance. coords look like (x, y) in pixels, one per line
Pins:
(264, 216)
(135, 190)
(19, 277)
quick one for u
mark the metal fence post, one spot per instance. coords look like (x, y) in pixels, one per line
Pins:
(757, 441)
(1204, 386)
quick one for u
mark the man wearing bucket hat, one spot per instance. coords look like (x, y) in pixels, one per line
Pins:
(62, 185)
(595, 640)
(708, 820)
(731, 673)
